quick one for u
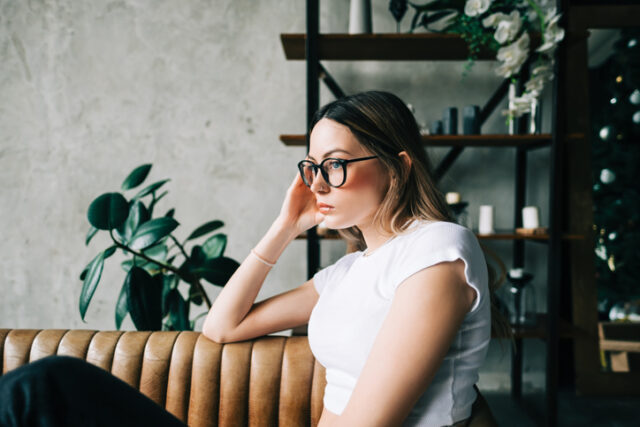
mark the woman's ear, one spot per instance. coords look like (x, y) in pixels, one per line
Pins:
(406, 160)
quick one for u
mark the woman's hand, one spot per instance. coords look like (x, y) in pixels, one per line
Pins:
(299, 208)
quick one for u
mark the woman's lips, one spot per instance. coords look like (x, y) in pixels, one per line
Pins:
(323, 207)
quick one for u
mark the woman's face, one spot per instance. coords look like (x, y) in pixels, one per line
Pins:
(357, 200)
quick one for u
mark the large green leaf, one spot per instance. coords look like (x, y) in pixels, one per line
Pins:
(197, 255)
(186, 271)
(216, 271)
(121, 306)
(108, 211)
(215, 245)
(91, 280)
(151, 232)
(205, 229)
(150, 189)
(128, 263)
(144, 299)
(170, 213)
(178, 311)
(151, 267)
(168, 283)
(110, 251)
(138, 215)
(158, 252)
(136, 177)
(90, 233)
(194, 295)
(106, 254)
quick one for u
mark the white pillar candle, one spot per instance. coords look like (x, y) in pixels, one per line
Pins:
(530, 217)
(516, 273)
(453, 198)
(360, 17)
(485, 223)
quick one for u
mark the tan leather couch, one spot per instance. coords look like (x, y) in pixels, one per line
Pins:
(268, 381)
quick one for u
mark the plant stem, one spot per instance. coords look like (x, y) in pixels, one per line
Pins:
(195, 283)
(179, 246)
(143, 256)
(198, 286)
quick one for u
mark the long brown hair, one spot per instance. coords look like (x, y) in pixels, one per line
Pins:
(383, 124)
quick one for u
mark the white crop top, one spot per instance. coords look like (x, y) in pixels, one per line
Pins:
(355, 295)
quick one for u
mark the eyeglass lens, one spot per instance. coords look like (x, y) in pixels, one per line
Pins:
(333, 172)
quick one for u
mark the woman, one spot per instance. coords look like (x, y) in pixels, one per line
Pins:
(401, 325)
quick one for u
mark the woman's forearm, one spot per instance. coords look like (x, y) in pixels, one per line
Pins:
(238, 295)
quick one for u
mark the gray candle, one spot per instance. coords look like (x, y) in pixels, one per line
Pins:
(471, 120)
(450, 121)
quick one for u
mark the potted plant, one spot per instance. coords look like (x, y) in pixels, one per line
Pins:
(157, 261)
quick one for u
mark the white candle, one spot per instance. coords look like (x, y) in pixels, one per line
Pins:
(485, 223)
(453, 197)
(530, 217)
(516, 273)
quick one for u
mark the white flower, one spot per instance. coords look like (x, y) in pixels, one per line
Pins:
(513, 56)
(543, 70)
(547, 47)
(550, 14)
(553, 32)
(535, 84)
(508, 28)
(492, 20)
(519, 105)
(476, 7)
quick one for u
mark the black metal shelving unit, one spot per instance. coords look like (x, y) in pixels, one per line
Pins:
(314, 47)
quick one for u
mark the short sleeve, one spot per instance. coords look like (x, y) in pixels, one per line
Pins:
(334, 272)
(439, 243)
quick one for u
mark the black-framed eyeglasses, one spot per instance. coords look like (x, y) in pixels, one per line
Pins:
(334, 171)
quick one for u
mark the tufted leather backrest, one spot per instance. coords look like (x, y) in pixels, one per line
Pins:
(268, 381)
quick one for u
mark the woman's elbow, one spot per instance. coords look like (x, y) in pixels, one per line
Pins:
(209, 331)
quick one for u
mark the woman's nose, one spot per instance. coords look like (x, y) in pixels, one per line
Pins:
(318, 183)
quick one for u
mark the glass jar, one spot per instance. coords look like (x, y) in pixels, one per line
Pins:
(521, 298)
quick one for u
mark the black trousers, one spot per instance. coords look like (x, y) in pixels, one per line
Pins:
(67, 391)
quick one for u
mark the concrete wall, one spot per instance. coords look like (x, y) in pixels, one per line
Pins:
(201, 89)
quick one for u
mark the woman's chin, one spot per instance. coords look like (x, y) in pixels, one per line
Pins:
(334, 223)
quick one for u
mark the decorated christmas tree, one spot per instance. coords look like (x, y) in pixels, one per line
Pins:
(615, 138)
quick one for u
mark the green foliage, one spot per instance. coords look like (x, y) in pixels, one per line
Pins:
(448, 16)
(136, 177)
(108, 211)
(151, 292)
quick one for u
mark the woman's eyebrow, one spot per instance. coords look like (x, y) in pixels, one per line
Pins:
(335, 150)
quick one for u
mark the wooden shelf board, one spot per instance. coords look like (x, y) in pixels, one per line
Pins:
(496, 140)
(389, 47)
(511, 235)
(499, 235)
(328, 236)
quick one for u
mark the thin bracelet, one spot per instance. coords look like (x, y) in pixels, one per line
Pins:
(262, 260)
